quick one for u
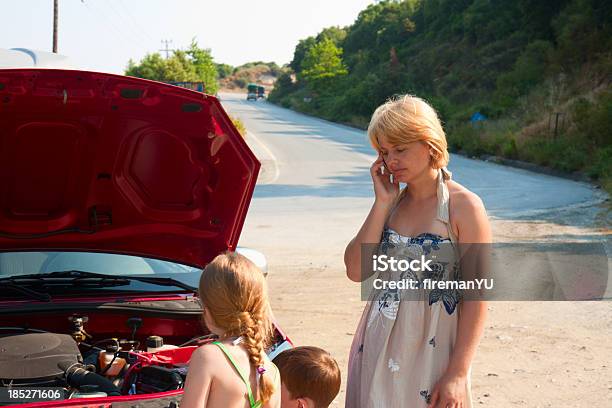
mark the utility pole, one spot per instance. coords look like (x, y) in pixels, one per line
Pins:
(166, 50)
(55, 9)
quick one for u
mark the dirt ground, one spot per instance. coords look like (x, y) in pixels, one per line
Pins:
(532, 354)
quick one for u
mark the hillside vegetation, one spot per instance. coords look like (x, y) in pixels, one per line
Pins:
(538, 71)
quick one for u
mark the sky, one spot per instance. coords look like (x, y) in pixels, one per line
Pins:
(102, 35)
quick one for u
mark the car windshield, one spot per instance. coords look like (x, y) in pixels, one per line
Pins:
(15, 264)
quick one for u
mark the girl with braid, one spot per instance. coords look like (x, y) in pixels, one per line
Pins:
(235, 370)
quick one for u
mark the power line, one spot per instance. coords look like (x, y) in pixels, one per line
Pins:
(95, 17)
(136, 23)
(125, 22)
(115, 25)
(117, 30)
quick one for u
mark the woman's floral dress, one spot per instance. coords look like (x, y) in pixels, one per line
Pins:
(402, 348)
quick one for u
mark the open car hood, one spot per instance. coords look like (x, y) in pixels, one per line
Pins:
(100, 162)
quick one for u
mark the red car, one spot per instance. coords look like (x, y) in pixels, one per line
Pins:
(114, 193)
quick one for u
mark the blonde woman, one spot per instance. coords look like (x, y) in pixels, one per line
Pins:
(415, 353)
(233, 371)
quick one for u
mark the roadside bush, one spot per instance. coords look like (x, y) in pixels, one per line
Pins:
(601, 167)
(593, 120)
(283, 86)
(508, 148)
(239, 125)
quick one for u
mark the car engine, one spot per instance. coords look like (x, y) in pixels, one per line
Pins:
(107, 367)
(76, 354)
(34, 358)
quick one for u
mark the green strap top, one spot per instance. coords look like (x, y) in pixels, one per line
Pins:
(252, 402)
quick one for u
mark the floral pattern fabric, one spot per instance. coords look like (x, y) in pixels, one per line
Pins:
(402, 346)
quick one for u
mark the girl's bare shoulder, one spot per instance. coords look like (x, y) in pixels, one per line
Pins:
(207, 353)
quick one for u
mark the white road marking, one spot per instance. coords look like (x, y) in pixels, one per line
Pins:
(271, 155)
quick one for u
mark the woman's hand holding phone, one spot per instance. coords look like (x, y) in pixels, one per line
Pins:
(386, 188)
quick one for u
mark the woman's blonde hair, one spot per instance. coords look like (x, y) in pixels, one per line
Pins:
(235, 293)
(405, 119)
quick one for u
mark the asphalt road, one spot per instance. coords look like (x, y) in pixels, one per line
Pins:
(312, 161)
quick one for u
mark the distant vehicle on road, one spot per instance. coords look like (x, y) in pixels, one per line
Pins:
(261, 92)
(251, 92)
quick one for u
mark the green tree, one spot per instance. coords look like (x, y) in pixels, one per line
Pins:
(336, 34)
(300, 52)
(204, 65)
(176, 68)
(195, 64)
(179, 68)
(152, 66)
(529, 70)
(224, 70)
(283, 86)
(323, 61)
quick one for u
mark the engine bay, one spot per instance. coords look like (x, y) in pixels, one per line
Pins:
(106, 367)
(103, 353)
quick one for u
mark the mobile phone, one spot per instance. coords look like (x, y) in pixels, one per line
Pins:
(387, 168)
(385, 165)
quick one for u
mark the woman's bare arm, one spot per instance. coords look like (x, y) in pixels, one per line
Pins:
(386, 192)
(475, 232)
(370, 233)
